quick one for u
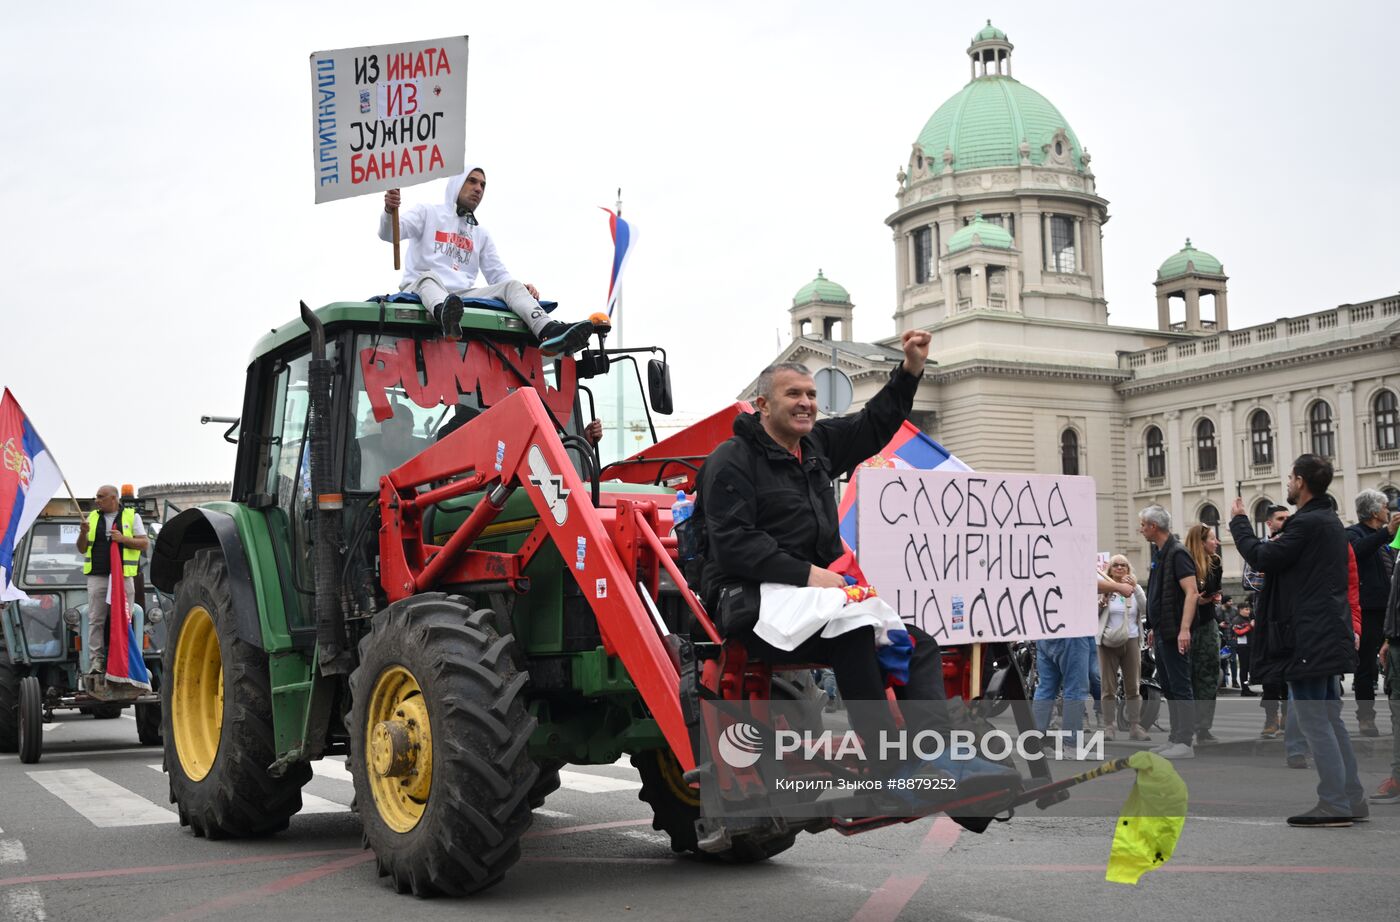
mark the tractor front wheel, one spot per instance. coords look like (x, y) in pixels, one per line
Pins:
(439, 733)
(31, 720)
(216, 701)
(9, 704)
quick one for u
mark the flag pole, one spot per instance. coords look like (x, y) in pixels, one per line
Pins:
(76, 506)
(617, 331)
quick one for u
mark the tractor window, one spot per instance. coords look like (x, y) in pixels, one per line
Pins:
(619, 400)
(41, 620)
(376, 448)
(53, 558)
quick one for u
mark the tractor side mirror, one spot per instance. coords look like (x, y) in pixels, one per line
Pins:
(659, 387)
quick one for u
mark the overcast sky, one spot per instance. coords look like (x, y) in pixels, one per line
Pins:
(158, 175)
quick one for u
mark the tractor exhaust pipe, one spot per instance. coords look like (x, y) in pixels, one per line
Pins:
(334, 652)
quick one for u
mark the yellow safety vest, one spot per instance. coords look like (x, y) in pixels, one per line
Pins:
(131, 556)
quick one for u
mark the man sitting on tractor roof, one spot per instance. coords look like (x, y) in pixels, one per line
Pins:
(446, 249)
(769, 513)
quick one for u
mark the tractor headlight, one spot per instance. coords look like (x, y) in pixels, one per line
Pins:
(155, 615)
(71, 617)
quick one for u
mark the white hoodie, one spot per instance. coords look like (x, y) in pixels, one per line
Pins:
(443, 243)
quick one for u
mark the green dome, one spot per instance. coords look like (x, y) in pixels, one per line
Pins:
(987, 233)
(991, 33)
(985, 122)
(1201, 262)
(821, 289)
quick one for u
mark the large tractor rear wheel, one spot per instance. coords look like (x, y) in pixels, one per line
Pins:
(9, 704)
(217, 705)
(31, 720)
(439, 734)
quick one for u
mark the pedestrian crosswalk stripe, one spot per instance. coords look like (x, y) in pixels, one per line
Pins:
(310, 803)
(332, 770)
(103, 803)
(595, 784)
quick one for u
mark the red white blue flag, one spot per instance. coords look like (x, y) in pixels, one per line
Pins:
(909, 448)
(29, 478)
(623, 237)
(124, 661)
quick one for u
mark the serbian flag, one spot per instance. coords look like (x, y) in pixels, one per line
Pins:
(29, 478)
(623, 237)
(909, 448)
(125, 664)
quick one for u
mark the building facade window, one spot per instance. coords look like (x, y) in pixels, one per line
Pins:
(1205, 447)
(1261, 438)
(1062, 256)
(1156, 454)
(1320, 429)
(1384, 410)
(1211, 516)
(1261, 517)
(1069, 452)
(1392, 495)
(923, 255)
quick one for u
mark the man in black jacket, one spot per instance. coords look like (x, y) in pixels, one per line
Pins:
(1389, 790)
(769, 513)
(1370, 539)
(1172, 593)
(1303, 632)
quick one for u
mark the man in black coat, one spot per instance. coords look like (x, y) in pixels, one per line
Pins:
(1370, 539)
(769, 512)
(1303, 632)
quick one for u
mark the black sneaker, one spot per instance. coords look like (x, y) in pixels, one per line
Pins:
(1247, 692)
(558, 337)
(1319, 817)
(1360, 813)
(449, 317)
(1297, 761)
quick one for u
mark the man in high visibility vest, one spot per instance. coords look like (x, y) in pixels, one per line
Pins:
(107, 524)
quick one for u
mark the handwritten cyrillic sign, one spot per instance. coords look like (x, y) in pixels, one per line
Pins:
(977, 557)
(388, 116)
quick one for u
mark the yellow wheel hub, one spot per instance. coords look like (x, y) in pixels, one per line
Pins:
(675, 778)
(197, 694)
(398, 749)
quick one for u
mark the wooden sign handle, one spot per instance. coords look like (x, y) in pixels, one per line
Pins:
(394, 223)
(976, 690)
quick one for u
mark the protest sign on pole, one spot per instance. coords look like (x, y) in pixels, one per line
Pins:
(977, 557)
(388, 116)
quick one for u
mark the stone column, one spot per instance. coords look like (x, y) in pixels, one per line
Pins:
(1174, 468)
(1283, 442)
(950, 295)
(904, 261)
(1079, 263)
(1222, 311)
(979, 286)
(1193, 309)
(1032, 249)
(1164, 312)
(1096, 230)
(1225, 452)
(1006, 225)
(1045, 238)
(1349, 451)
(1013, 289)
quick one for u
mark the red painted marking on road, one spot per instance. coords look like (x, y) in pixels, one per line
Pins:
(171, 868)
(282, 885)
(590, 827)
(887, 902)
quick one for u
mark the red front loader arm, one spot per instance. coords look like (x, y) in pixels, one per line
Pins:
(513, 445)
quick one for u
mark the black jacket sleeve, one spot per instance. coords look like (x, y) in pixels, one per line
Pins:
(847, 441)
(1270, 556)
(736, 544)
(1365, 545)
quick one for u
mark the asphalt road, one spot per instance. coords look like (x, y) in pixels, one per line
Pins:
(89, 833)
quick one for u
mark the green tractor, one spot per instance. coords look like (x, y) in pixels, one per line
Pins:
(426, 566)
(43, 657)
